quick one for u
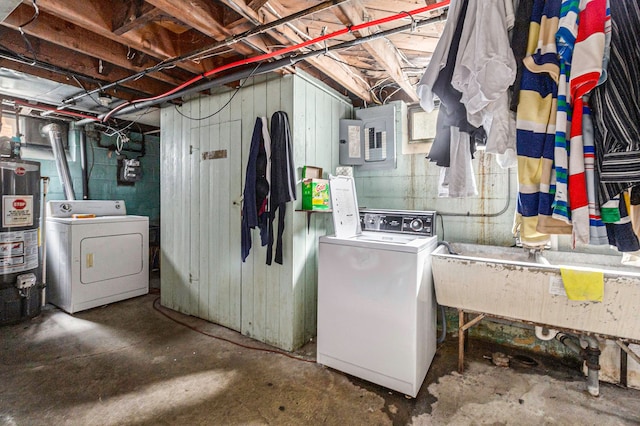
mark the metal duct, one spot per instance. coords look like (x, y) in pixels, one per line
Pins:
(55, 138)
(83, 164)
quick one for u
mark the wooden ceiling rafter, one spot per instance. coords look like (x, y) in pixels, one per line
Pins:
(350, 79)
(200, 15)
(78, 65)
(81, 41)
(149, 47)
(380, 49)
(98, 17)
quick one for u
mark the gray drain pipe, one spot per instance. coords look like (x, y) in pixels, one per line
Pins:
(591, 356)
(55, 138)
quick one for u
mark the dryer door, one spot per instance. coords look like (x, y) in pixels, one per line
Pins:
(108, 257)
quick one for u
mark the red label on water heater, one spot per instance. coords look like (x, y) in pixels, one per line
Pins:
(19, 204)
(17, 210)
(20, 171)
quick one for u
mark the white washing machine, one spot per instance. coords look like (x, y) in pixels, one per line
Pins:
(96, 254)
(376, 303)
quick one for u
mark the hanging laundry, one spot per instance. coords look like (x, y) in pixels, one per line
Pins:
(519, 43)
(256, 188)
(536, 120)
(439, 58)
(621, 233)
(565, 42)
(616, 105)
(485, 68)
(454, 133)
(585, 74)
(597, 228)
(283, 181)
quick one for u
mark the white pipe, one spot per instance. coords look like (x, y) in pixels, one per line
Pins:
(545, 334)
(45, 188)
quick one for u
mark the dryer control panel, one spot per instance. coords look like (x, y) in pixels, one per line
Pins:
(401, 221)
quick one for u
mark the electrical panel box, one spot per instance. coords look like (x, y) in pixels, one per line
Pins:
(370, 141)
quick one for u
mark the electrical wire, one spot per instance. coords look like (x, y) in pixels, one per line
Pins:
(36, 13)
(224, 339)
(355, 66)
(269, 55)
(223, 106)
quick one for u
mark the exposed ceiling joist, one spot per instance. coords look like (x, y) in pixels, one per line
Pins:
(78, 66)
(84, 42)
(142, 50)
(348, 78)
(381, 49)
(99, 17)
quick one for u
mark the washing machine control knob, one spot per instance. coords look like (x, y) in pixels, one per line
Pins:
(416, 225)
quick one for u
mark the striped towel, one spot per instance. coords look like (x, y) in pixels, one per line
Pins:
(585, 73)
(565, 41)
(597, 228)
(536, 124)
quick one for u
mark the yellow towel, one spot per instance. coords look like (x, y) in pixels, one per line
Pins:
(583, 285)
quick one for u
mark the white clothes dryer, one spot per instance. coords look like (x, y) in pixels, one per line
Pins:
(96, 254)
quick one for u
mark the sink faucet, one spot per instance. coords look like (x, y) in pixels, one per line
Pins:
(533, 253)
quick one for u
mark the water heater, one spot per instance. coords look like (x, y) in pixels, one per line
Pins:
(20, 269)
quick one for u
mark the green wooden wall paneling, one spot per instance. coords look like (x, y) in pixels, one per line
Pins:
(277, 303)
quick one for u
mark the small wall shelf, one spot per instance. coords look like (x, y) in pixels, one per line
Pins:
(310, 212)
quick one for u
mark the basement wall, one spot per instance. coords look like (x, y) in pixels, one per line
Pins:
(143, 198)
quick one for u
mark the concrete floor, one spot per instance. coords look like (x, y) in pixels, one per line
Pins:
(126, 363)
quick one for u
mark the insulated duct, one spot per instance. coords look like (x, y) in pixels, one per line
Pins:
(55, 138)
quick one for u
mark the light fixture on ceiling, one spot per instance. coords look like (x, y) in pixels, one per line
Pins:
(104, 99)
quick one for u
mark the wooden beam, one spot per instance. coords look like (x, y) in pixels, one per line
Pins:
(202, 16)
(351, 79)
(256, 4)
(65, 59)
(133, 14)
(381, 49)
(97, 17)
(82, 41)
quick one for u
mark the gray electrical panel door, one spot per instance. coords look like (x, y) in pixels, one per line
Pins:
(379, 132)
(351, 148)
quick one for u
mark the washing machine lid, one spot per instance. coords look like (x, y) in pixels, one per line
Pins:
(387, 241)
(344, 206)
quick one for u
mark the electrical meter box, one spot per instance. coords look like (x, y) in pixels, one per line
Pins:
(131, 170)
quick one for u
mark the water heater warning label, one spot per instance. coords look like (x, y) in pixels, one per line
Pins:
(18, 251)
(17, 210)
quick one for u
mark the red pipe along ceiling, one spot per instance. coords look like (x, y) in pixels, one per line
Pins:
(283, 51)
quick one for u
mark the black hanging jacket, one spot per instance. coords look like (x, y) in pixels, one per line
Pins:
(283, 180)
